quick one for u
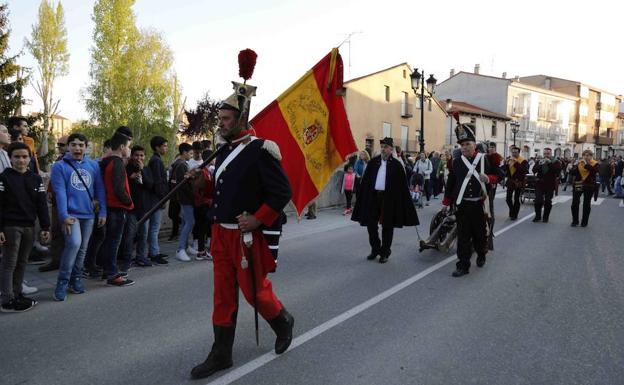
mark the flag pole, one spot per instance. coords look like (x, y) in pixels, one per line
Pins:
(178, 186)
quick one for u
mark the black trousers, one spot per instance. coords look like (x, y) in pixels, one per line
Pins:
(95, 256)
(201, 230)
(576, 201)
(471, 232)
(513, 201)
(57, 244)
(349, 196)
(383, 246)
(174, 215)
(606, 183)
(543, 198)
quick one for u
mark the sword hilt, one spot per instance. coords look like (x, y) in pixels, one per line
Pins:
(247, 237)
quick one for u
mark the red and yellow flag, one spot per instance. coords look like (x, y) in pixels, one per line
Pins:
(309, 123)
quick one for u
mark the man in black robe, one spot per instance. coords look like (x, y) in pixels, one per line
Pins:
(384, 198)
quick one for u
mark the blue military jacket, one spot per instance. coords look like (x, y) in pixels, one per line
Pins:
(253, 182)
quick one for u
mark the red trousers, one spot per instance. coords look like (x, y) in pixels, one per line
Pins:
(227, 252)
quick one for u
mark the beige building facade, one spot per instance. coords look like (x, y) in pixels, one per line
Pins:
(490, 126)
(619, 137)
(60, 126)
(597, 112)
(545, 118)
(383, 104)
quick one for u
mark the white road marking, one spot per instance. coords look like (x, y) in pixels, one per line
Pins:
(561, 198)
(597, 202)
(622, 203)
(264, 359)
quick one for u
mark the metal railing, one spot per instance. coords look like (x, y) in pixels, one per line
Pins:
(407, 110)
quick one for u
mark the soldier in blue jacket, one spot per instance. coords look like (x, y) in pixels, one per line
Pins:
(251, 190)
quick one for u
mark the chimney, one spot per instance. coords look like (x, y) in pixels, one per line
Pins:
(504, 75)
(476, 70)
(452, 72)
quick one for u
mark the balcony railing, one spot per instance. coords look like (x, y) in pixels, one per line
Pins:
(518, 111)
(524, 135)
(585, 138)
(406, 110)
(604, 141)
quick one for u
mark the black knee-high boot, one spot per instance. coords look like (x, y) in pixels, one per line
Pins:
(220, 356)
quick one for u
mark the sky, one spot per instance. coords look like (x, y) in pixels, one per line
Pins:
(578, 42)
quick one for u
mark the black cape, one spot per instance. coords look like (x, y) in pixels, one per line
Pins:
(398, 209)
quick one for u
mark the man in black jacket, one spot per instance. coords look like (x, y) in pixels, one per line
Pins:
(156, 193)
(467, 189)
(23, 200)
(140, 181)
(384, 198)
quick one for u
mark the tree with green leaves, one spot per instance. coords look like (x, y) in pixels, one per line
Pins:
(48, 45)
(13, 77)
(131, 74)
(203, 120)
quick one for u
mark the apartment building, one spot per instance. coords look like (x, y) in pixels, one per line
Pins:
(597, 113)
(490, 126)
(546, 118)
(383, 104)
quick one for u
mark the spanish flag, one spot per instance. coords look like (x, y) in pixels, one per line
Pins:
(309, 123)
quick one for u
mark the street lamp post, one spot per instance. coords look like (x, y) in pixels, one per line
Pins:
(418, 82)
(514, 129)
(449, 110)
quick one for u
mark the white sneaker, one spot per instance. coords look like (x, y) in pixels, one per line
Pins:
(28, 290)
(191, 251)
(182, 256)
(40, 248)
(202, 255)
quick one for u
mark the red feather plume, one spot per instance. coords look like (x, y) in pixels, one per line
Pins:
(456, 116)
(246, 63)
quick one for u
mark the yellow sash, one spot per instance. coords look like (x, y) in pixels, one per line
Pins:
(512, 166)
(582, 171)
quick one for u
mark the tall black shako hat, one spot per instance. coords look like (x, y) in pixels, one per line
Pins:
(387, 141)
(465, 132)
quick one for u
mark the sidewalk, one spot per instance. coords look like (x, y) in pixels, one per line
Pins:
(327, 219)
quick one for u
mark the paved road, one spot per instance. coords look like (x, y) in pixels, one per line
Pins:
(546, 309)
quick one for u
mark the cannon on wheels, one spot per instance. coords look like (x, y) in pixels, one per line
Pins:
(528, 192)
(442, 231)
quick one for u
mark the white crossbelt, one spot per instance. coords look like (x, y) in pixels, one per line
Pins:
(472, 172)
(232, 156)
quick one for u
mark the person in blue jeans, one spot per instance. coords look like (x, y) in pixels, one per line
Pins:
(160, 188)
(119, 203)
(187, 200)
(80, 199)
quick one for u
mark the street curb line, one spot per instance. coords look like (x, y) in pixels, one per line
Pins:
(264, 359)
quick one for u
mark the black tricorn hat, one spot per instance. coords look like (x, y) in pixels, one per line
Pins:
(387, 141)
(465, 132)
